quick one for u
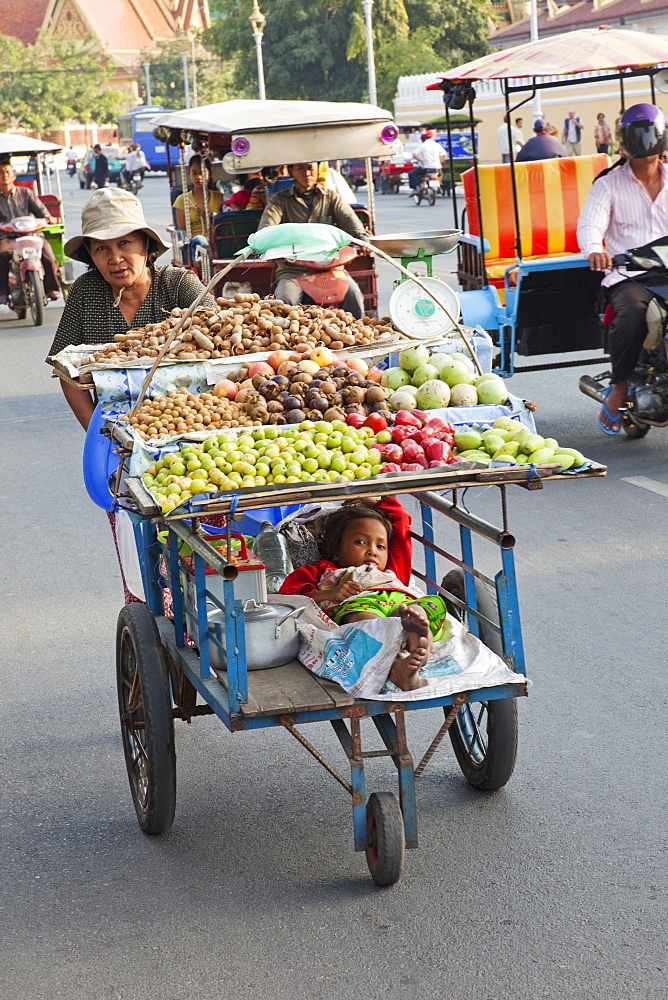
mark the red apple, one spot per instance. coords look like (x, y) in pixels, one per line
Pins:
(411, 450)
(391, 452)
(406, 417)
(355, 420)
(225, 389)
(277, 358)
(437, 451)
(260, 368)
(437, 424)
(401, 432)
(376, 422)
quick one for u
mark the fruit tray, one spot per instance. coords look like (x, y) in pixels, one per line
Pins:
(463, 475)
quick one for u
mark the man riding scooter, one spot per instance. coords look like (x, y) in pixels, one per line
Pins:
(307, 201)
(627, 207)
(15, 201)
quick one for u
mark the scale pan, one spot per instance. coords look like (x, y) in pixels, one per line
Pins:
(410, 244)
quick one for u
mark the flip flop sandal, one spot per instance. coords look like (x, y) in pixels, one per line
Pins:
(613, 420)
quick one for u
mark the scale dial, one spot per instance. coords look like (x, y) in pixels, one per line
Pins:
(417, 315)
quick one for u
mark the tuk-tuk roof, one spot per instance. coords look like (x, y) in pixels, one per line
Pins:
(588, 50)
(263, 116)
(23, 145)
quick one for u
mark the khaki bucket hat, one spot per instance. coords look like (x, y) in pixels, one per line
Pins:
(107, 215)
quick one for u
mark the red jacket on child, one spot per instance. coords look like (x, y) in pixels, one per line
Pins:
(400, 553)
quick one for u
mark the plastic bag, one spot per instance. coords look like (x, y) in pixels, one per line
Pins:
(303, 531)
(299, 240)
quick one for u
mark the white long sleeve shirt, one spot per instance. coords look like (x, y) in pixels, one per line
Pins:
(619, 211)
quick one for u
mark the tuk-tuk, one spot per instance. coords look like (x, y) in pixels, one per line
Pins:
(37, 173)
(523, 277)
(249, 135)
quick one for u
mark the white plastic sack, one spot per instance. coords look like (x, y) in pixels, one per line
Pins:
(127, 551)
(359, 657)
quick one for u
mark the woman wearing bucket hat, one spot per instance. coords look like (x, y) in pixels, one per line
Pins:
(123, 288)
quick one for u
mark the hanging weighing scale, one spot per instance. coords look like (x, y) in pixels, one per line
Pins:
(411, 309)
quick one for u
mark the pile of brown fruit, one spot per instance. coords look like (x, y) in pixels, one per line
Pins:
(244, 325)
(183, 413)
(330, 393)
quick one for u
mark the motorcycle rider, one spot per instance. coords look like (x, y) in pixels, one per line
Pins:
(71, 159)
(627, 207)
(307, 201)
(430, 157)
(15, 201)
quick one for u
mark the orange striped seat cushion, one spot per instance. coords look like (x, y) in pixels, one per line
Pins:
(550, 197)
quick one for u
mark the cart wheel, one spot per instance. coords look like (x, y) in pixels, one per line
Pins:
(385, 838)
(147, 726)
(417, 197)
(633, 428)
(484, 738)
(431, 197)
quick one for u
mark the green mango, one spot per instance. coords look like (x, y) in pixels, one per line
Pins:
(533, 442)
(577, 455)
(510, 447)
(522, 459)
(565, 460)
(505, 424)
(501, 457)
(551, 443)
(542, 455)
(465, 440)
(492, 443)
(473, 454)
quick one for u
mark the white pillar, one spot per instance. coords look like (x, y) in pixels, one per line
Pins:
(371, 64)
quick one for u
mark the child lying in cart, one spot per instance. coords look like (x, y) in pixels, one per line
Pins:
(366, 574)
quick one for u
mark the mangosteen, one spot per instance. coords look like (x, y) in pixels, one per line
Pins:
(335, 398)
(292, 403)
(295, 416)
(340, 372)
(355, 378)
(283, 395)
(327, 387)
(353, 394)
(274, 406)
(334, 413)
(339, 382)
(320, 404)
(313, 414)
(356, 408)
(374, 394)
(303, 377)
(316, 382)
(281, 381)
(269, 390)
(258, 380)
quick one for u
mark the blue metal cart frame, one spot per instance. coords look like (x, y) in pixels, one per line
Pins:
(382, 826)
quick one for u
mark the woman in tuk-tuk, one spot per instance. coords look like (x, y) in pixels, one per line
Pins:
(199, 175)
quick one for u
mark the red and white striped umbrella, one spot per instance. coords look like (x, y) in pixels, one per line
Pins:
(589, 50)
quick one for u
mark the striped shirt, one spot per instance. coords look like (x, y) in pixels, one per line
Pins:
(90, 316)
(620, 212)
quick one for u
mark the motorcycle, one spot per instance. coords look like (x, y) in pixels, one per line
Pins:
(26, 271)
(647, 397)
(428, 188)
(71, 168)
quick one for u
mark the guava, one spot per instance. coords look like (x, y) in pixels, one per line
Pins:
(394, 378)
(413, 357)
(432, 395)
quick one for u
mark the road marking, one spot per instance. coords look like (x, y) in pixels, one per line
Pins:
(648, 484)
(36, 416)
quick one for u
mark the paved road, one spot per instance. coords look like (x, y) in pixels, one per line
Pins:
(554, 887)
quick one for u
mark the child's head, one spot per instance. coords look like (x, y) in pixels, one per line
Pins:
(356, 534)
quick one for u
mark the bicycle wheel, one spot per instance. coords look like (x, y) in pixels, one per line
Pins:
(36, 292)
(147, 726)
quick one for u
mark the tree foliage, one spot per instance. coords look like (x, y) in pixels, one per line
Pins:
(318, 52)
(214, 78)
(44, 85)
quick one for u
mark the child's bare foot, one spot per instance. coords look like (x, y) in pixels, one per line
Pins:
(405, 671)
(415, 624)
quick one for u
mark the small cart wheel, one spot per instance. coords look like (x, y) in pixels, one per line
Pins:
(385, 838)
(147, 726)
(484, 738)
(634, 428)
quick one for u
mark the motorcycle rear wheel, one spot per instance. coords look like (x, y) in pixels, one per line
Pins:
(634, 428)
(417, 197)
(35, 291)
(431, 197)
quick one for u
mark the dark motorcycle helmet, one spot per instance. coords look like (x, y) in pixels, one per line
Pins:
(642, 131)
